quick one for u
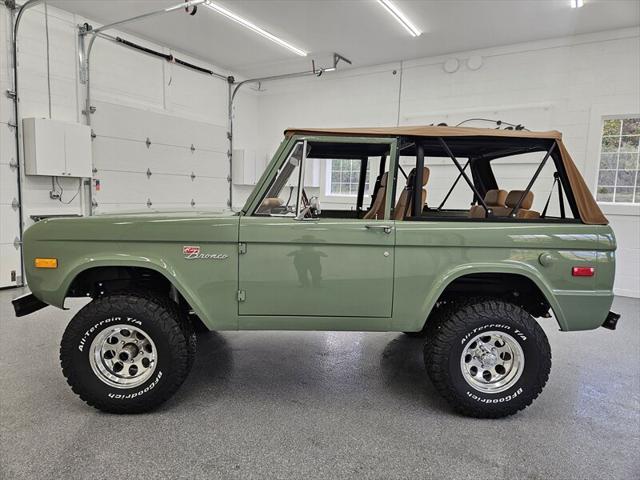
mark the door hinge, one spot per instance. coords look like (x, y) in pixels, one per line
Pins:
(242, 295)
(242, 248)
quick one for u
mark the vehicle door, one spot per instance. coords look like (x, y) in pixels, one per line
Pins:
(292, 264)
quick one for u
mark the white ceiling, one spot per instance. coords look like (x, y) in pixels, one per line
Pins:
(361, 30)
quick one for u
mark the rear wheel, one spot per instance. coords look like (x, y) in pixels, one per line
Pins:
(127, 353)
(488, 358)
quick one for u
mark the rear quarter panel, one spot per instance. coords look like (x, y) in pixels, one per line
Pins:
(430, 255)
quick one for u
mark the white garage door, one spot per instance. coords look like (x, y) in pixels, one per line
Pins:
(147, 160)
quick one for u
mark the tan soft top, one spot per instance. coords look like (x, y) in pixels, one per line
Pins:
(425, 131)
(588, 209)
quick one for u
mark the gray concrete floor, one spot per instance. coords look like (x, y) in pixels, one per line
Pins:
(320, 405)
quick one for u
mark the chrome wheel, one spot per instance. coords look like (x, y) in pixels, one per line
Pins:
(123, 356)
(492, 362)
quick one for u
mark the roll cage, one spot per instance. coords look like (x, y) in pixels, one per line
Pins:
(476, 172)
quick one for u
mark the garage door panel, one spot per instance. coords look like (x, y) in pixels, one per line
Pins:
(7, 142)
(122, 159)
(9, 262)
(121, 155)
(181, 189)
(180, 161)
(131, 123)
(8, 184)
(122, 187)
(206, 190)
(114, 154)
(8, 224)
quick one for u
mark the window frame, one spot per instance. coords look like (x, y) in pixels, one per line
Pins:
(613, 205)
(286, 147)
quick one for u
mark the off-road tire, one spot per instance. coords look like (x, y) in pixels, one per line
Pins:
(190, 337)
(418, 334)
(459, 321)
(160, 319)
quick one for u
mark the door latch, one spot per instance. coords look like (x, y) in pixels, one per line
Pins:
(242, 295)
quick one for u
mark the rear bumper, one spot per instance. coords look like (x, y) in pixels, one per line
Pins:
(611, 321)
(27, 304)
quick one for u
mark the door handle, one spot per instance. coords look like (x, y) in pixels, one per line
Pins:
(385, 228)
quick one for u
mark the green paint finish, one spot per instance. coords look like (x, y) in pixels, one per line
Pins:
(327, 267)
(448, 250)
(152, 241)
(326, 274)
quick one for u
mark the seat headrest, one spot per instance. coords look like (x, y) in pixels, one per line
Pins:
(495, 198)
(425, 176)
(383, 179)
(514, 197)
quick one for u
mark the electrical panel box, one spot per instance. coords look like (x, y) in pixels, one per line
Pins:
(55, 148)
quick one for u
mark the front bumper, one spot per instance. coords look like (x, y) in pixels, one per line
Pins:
(27, 304)
(611, 321)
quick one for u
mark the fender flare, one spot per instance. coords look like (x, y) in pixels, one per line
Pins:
(523, 270)
(156, 264)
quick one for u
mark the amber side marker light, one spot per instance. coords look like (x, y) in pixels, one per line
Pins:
(583, 271)
(46, 262)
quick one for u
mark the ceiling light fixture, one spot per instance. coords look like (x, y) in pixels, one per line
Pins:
(401, 17)
(251, 26)
(577, 3)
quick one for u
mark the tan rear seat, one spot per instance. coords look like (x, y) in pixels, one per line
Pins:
(502, 204)
(525, 207)
(493, 198)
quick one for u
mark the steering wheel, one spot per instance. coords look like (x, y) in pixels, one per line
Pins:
(305, 205)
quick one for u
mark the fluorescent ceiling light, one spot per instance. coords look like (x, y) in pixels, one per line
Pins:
(577, 3)
(401, 17)
(251, 26)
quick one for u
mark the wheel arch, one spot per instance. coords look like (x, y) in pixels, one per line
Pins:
(468, 280)
(101, 276)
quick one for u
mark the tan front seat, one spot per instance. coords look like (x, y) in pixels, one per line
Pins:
(405, 202)
(377, 207)
(493, 198)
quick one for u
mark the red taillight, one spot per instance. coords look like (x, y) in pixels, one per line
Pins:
(583, 271)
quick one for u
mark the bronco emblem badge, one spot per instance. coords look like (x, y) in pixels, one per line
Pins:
(193, 253)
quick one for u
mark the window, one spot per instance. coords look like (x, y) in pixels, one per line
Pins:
(618, 179)
(281, 199)
(342, 177)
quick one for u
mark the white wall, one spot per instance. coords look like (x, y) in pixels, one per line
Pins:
(137, 96)
(565, 84)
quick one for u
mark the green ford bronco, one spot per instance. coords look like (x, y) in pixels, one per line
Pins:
(431, 231)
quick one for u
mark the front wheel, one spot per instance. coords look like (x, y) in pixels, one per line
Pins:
(126, 353)
(489, 358)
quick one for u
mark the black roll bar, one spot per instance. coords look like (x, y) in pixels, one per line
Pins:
(361, 182)
(446, 197)
(416, 207)
(514, 212)
(488, 211)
